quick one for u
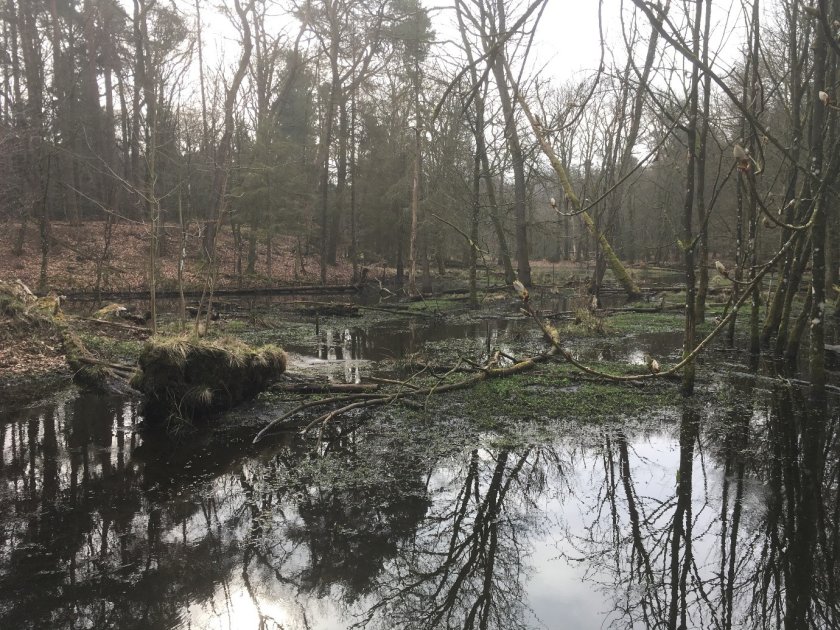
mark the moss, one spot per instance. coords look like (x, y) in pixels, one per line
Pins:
(109, 312)
(88, 376)
(436, 304)
(11, 307)
(24, 312)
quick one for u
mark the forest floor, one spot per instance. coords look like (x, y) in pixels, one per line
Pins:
(75, 250)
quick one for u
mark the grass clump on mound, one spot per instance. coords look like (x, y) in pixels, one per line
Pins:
(11, 306)
(182, 378)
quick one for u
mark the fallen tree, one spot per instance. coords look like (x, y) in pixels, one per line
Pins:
(29, 322)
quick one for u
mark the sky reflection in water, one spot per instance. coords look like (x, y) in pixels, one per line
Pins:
(394, 526)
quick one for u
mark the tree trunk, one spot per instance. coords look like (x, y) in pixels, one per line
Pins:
(612, 259)
(474, 217)
(222, 170)
(148, 84)
(220, 178)
(818, 230)
(324, 162)
(415, 193)
(703, 242)
(334, 235)
(61, 75)
(688, 211)
(481, 150)
(755, 108)
(518, 166)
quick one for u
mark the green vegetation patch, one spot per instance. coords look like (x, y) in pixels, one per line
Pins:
(435, 304)
(558, 393)
(111, 349)
(647, 322)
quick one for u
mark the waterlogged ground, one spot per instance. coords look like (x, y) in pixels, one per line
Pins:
(541, 501)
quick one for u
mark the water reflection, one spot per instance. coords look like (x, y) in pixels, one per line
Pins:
(398, 341)
(728, 518)
(344, 353)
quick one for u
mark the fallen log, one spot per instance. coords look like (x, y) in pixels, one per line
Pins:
(777, 381)
(197, 293)
(90, 373)
(119, 367)
(617, 311)
(399, 311)
(680, 288)
(328, 309)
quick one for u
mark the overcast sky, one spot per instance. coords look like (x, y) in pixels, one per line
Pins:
(566, 45)
(567, 37)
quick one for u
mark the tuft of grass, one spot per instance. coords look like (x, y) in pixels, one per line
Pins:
(589, 323)
(187, 377)
(112, 349)
(234, 326)
(11, 306)
(199, 396)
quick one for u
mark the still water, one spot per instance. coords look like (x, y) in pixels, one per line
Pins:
(348, 353)
(712, 518)
(722, 514)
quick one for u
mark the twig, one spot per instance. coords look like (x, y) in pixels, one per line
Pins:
(114, 366)
(390, 381)
(105, 322)
(325, 388)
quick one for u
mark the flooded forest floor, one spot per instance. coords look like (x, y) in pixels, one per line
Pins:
(544, 499)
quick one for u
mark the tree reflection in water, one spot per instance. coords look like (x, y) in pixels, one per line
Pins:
(747, 538)
(467, 564)
(724, 519)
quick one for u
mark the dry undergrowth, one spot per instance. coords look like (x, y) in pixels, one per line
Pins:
(30, 342)
(75, 250)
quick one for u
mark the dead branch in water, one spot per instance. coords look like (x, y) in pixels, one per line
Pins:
(409, 395)
(118, 367)
(553, 336)
(324, 388)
